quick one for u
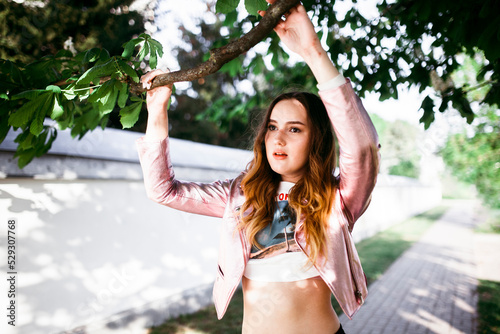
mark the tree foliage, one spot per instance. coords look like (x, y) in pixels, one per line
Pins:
(399, 140)
(187, 113)
(474, 154)
(476, 158)
(33, 29)
(408, 43)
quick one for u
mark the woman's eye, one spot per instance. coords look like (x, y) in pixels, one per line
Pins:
(271, 127)
(296, 130)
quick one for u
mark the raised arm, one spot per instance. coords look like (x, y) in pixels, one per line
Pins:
(297, 32)
(357, 137)
(159, 177)
(157, 101)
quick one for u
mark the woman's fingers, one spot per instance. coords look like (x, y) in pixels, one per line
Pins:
(147, 79)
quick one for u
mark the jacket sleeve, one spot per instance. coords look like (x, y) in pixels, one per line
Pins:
(161, 186)
(359, 149)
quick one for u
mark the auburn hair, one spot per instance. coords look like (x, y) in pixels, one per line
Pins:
(311, 197)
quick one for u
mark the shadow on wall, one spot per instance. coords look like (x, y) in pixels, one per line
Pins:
(91, 249)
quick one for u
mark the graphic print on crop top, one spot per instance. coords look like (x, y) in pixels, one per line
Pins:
(278, 237)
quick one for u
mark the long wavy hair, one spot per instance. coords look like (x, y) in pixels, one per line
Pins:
(311, 197)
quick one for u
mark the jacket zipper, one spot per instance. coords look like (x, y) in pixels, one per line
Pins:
(354, 272)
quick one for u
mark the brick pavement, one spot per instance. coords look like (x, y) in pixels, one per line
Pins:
(430, 288)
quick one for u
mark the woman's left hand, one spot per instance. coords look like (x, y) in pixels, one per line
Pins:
(296, 31)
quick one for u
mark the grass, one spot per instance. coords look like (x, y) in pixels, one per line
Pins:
(488, 307)
(376, 253)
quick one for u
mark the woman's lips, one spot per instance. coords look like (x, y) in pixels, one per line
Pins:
(280, 155)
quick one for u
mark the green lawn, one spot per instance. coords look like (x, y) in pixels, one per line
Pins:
(376, 253)
(488, 306)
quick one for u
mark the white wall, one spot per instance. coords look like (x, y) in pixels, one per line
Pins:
(93, 252)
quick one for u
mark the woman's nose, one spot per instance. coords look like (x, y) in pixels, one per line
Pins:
(279, 138)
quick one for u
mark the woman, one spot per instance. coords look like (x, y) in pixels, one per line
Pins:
(287, 218)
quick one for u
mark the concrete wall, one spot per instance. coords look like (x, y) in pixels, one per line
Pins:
(94, 255)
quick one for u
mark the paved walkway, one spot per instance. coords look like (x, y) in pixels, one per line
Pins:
(431, 287)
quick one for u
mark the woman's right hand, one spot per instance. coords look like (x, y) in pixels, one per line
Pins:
(157, 101)
(157, 98)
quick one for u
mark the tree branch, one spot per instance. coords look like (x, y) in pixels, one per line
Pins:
(226, 53)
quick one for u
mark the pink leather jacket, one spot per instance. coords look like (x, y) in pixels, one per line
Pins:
(359, 159)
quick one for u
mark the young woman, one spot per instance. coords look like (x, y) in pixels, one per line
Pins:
(286, 219)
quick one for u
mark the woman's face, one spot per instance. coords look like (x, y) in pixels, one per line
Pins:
(287, 140)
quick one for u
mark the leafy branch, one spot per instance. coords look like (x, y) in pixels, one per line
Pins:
(80, 102)
(80, 92)
(222, 55)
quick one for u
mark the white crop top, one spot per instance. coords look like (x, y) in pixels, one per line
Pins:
(280, 259)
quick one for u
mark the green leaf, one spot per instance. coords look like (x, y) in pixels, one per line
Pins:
(428, 116)
(104, 121)
(130, 114)
(29, 94)
(153, 60)
(24, 115)
(69, 93)
(36, 126)
(57, 110)
(444, 104)
(156, 46)
(226, 6)
(252, 6)
(53, 89)
(108, 102)
(24, 157)
(123, 94)
(24, 140)
(98, 71)
(91, 55)
(105, 97)
(44, 71)
(231, 18)
(234, 67)
(69, 108)
(105, 91)
(89, 120)
(461, 103)
(129, 47)
(48, 144)
(135, 98)
(143, 52)
(128, 70)
(10, 75)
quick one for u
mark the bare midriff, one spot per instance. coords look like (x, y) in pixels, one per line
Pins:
(288, 307)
